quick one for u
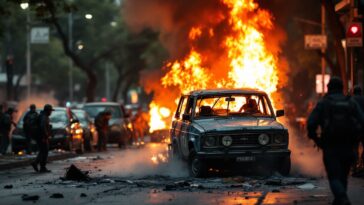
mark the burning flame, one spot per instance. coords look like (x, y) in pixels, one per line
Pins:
(158, 117)
(247, 57)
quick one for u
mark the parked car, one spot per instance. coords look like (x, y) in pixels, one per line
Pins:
(66, 132)
(119, 125)
(229, 128)
(161, 135)
(89, 130)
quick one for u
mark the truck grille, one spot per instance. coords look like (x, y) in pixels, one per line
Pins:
(245, 139)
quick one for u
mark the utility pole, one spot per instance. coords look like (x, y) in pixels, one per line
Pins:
(323, 49)
(107, 81)
(70, 63)
(28, 56)
(352, 6)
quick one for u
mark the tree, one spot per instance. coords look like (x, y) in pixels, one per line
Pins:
(338, 33)
(51, 12)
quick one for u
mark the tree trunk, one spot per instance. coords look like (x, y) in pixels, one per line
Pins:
(17, 86)
(338, 32)
(87, 68)
(117, 88)
(9, 76)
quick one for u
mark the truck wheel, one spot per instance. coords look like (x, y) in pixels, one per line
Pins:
(197, 167)
(285, 166)
(175, 151)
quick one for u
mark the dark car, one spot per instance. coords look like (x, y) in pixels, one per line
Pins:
(161, 135)
(119, 125)
(66, 132)
(89, 130)
(229, 128)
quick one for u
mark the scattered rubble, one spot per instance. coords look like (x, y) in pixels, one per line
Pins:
(306, 186)
(57, 196)
(274, 182)
(75, 174)
(9, 186)
(26, 197)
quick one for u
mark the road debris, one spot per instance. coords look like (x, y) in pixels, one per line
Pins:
(57, 196)
(9, 186)
(75, 174)
(306, 186)
(26, 197)
(274, 182)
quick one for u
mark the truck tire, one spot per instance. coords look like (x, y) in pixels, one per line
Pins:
(197, 168)
(285, 166)
(175, 151)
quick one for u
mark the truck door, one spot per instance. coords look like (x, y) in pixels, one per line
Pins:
(185, 125)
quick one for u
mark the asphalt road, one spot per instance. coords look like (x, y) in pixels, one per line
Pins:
(144, 176)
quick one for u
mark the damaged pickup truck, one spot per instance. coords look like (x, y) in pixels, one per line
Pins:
(229, 127)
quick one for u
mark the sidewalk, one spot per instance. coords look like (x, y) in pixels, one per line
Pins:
(14, 161)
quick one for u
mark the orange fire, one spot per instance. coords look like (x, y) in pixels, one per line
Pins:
(248, 61)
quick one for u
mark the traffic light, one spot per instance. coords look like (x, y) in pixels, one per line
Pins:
(354, 30)
(354, 35)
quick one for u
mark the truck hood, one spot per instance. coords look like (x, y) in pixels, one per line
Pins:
(230, 124)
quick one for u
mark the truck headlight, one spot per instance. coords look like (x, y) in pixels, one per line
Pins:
(210, 141)
(227, 141)
(263, 139)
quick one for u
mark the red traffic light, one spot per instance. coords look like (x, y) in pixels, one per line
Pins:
(354, 30)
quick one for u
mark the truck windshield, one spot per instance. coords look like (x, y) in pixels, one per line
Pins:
(233, 105)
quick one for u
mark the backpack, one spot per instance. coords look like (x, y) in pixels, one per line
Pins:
(340, 123)
(2, 126)
(33, 121)
(32, 124)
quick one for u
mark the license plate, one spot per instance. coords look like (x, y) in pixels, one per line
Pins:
(245, 159)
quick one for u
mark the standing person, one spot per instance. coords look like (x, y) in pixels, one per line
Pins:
(102, 127)
(340, 120)
(6, 122)
(359, 98)
(1, 124)
(45, 132)
(139, 126)
(31, 126)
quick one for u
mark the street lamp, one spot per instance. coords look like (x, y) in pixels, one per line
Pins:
(113, 23)
(88, 16)
(25, 6)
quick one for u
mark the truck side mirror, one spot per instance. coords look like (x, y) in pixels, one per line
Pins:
(279, 113)
(186, 117)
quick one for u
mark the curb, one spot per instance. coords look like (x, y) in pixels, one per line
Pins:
(27, 162)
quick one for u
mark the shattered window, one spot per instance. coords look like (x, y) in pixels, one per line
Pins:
(232, 105)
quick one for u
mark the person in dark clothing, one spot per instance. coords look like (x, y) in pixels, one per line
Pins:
(340, 119)
(1, 125)
(359, 98)
(102, 127)
(45, 131)
(6, 122)
(30, 126)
